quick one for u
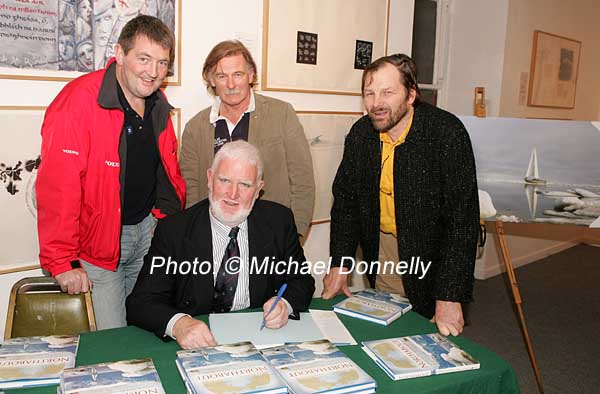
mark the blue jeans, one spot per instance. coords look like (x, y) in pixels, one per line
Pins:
(110, 288)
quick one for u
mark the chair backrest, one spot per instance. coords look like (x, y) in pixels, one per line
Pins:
(37, 306)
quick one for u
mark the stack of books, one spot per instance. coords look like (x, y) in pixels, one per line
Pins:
(36, 361)
(318, 367)
(233, 368)
(418, 355)
(375, 306)
(123, 377)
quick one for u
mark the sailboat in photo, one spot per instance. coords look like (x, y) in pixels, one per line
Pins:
(532, 177)
(531, 192)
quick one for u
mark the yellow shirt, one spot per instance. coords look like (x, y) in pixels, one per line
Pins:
(387, 222)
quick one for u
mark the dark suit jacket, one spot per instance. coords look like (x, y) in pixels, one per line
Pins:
(186, 236)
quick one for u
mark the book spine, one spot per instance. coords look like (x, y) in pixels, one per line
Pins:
(359, 315)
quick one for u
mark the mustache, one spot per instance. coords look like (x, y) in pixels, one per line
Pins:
(377, 109)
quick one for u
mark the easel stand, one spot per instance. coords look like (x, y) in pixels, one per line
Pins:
(518, 301)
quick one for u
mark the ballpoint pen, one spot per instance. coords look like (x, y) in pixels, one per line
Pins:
(279, 295)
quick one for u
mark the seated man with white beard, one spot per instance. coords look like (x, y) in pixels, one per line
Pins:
(210, 257)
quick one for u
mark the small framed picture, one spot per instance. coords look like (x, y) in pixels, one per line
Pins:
(363, 54)
(306, 48)
(554, 69)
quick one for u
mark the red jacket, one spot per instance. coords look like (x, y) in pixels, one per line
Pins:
(79, 187)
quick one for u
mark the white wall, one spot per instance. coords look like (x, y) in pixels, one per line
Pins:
(204, 24)
(401, 30)
(475, 53)
(575, 19)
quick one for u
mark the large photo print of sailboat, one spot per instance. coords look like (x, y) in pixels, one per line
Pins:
(538, 170)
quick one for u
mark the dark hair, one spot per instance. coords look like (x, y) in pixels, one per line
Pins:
(151, 27)
(225, 49)
(405, 66)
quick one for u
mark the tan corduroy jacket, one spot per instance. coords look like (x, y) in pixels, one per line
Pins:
(277, 133)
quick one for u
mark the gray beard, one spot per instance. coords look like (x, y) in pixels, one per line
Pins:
(222, 217)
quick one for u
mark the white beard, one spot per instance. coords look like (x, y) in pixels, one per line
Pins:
(227, 219)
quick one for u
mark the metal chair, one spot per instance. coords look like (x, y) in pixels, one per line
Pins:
(37, 306)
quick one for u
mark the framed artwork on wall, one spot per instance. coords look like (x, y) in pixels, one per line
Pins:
(554, 69)
(326, 132)
(19, 161)
(176, 119)
(59, 40)
(307, 49)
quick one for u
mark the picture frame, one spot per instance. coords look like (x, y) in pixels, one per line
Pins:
(176, 119)
(19, 161)
(326, 132)
(71, 39)
(363, 54)
(17, 186)
(554, 71)
(333, 71)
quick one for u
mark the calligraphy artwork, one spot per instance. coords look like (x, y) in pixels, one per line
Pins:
(11, 175)
(74, 36)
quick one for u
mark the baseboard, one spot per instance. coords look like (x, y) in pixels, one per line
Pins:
(536, 255)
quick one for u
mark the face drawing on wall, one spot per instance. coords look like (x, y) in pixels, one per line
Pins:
(83, 28)
(130, 8)
(66, 16)
(84, 9)
(66, 52)
(66, 47)
(104, 20)
(125, 10)
(85, 56)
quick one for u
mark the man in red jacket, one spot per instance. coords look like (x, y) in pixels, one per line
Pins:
(109, 170)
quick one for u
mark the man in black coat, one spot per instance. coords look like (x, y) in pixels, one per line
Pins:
(229, 252)
(406, 190)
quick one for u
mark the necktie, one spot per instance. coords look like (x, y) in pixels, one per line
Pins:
(226, 282)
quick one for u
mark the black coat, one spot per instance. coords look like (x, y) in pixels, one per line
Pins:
(158, 296)
(436, 204)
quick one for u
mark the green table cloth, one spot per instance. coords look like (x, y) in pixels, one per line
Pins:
(494, 377)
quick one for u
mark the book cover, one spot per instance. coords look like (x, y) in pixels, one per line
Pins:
(376, 306)
(36, 361)
(318, 366)
(233, 368)
(418, 355)
(120, 377)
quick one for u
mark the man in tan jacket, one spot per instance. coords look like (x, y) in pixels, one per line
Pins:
(238, 113)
